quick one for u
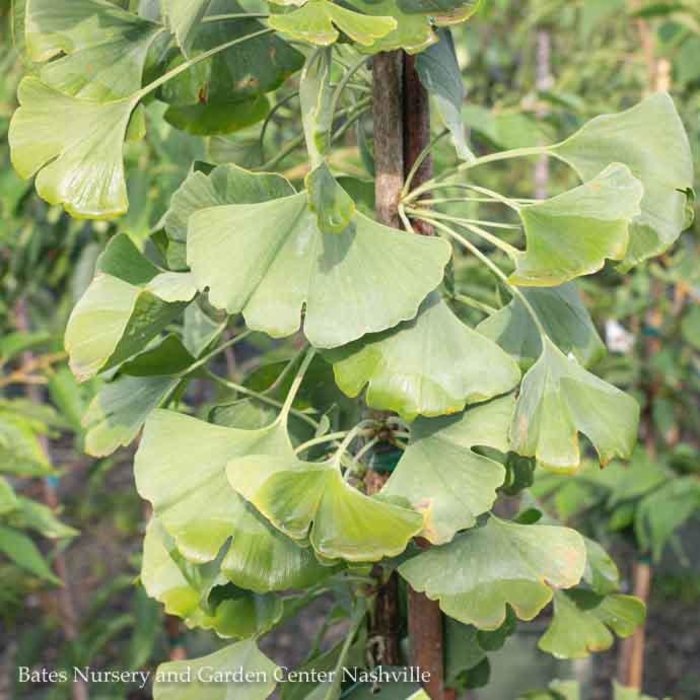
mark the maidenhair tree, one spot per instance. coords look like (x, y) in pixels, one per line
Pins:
(366, 458)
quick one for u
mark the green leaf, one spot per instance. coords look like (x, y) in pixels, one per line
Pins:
(485, 569)
(413, 32)
(364, 280)
(201, 512)
(312, 501)
(429, 366)
(583, 623)
(442, 476)
(332, 205)
(319, 21)
(661, 513)
(225, 184)
(564, 317)
(558, 399)
(118, 315)
(316, 98)
(441, 76)
(466, 8)
(601, 571)
(74, 147)
(650, 139)
(21, 453)
(642, 475)
(183, 588)
(99, 50)
(244, 657)
(36, 516)
(216, 119)
(183, 18)
(119, 410)
(8, 497)
(20, 549)
(573, 233)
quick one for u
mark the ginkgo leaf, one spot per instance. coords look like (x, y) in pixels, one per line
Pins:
(559, 399)
(650, 139)
(198, 508)
(564, 317)
(584, 623)
(257, 673)
(116, 317)
(438, 7)
(183, 589)
(105, 47)
(225, 184)
(413, 32)
(482, 571)
(573, 233)
(183, 17)
(442, 476)
(429, 366)
(118, 411)
(74, 147)
(332, 205)
(312, 500)
(318, 22)
(363, 280)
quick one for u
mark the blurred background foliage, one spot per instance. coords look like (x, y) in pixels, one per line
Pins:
(534, 71)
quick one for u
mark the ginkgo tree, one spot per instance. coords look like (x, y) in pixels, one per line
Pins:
(380, 444)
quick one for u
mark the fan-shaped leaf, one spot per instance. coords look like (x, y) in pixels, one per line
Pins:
(198, 508)
(650, 139)
(184, 588)
(126, 305)
(583, 622)
(442, 476)
(363, 280)
(244, 657)
(572, 234)
(559, 399)
(312, 500)
(318, 22)
(429, 366)
(485, 569)
(564, 317)
(74, 146)
(183, 17)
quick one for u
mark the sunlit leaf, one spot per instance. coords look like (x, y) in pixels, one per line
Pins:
(183, 17)
(584, 623)
(363, 280)
(482, 571)
(318, 22)
(650, 139)
(559, 399)
(202, 683)
(564, 317)
(441, 475)
(73, 146)
(430, 366)
(573, 233)
(312, 500)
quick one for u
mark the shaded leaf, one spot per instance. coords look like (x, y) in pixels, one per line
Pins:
(442, 476)
(559, 399)
(332, 205)
(20, 549)
(441, 76)
(650, 139)
(429, 366)
(364, 280)
(482, 571)
(564, 317)
(573, 233)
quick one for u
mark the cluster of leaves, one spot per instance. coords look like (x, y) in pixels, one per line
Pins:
(261, 502)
